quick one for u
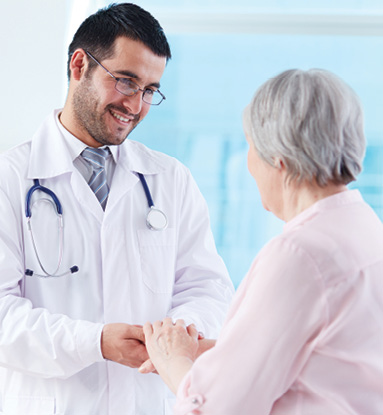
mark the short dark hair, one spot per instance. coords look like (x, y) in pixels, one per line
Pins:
(99, 31)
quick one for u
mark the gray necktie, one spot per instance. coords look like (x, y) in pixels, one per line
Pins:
(96, 157)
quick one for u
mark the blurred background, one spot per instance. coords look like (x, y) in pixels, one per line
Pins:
(222, 51)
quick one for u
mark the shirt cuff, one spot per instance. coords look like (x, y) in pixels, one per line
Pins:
(187, 404)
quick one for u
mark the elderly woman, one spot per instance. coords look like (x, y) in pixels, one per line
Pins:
(304, 334)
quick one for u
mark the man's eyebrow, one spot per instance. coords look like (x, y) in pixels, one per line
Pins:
(127, 73)
(132, 75)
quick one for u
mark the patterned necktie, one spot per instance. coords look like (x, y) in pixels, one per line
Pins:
(96, 157)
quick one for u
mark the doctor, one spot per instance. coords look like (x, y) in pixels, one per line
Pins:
(73, 298)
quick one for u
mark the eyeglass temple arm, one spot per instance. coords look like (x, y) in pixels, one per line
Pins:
(98, 63)
(106, 70)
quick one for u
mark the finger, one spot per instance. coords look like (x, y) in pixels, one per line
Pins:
(157, 328)
(137, 333)
(147, 367)
(167, 321)
(148, 330)
(157, 325)
(181, 323)
(192, 331)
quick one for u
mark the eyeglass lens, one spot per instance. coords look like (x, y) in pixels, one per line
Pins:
(129, 88)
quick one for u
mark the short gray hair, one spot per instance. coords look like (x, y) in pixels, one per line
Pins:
(313, 122)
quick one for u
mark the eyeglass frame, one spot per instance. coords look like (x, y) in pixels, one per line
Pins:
(135, 90)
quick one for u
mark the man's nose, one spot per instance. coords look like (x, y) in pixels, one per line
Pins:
(133, 103)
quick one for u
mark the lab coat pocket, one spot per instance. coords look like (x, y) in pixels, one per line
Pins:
(157, 253)
(31, 405)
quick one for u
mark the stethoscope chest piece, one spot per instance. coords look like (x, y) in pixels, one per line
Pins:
(156, 219)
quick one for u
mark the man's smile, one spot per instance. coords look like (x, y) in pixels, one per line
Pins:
(122, 118)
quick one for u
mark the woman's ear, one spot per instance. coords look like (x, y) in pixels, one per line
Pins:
(278, 163)
(78, 64)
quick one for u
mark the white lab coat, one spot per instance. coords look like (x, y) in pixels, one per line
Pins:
(50, 328)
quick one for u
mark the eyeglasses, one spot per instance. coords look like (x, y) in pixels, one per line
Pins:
(129, 88)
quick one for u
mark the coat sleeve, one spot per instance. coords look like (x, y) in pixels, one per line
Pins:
(32, 340)
(277, 315)
(202, 289)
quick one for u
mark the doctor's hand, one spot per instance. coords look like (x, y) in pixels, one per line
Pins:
(124, 344)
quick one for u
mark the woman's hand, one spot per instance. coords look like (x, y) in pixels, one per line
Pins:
(203, 346)
(172, 349)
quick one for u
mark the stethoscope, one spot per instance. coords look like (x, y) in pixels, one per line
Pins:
(156, 220)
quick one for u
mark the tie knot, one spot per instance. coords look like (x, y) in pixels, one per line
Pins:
(96, 156)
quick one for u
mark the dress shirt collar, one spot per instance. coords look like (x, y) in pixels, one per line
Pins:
(76, 146)
(59, 148)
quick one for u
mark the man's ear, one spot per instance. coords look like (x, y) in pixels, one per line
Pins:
(78, 64)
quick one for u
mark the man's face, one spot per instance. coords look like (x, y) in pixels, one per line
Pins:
(104, 116)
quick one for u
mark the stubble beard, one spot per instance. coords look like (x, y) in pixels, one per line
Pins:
(91, 121)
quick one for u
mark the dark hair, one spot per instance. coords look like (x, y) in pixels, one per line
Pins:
(99, 31)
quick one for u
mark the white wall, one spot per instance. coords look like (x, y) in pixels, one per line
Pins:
(33, 37)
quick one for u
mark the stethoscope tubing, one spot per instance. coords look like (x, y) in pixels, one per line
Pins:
(156, 220)
(146, 189)
(38, 186)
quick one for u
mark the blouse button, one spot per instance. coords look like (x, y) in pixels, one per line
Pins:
(196, 400)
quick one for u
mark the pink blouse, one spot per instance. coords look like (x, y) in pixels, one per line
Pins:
(304, 335)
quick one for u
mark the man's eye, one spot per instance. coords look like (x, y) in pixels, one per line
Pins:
(128, 83)
(149, 92)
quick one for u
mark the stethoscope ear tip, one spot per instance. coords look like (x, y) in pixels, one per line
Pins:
(72, 270)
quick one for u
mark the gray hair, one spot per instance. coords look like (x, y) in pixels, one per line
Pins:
(313, 122)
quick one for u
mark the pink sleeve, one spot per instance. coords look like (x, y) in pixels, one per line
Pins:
(269, 334)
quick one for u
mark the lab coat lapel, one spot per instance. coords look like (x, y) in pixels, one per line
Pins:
(50, 158)
(49, 154)
(133, 157)
(85, 196)
(123, 180)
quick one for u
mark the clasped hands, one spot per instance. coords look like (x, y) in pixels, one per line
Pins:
(141, 346)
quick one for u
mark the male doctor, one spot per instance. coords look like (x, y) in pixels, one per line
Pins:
(73, 299)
